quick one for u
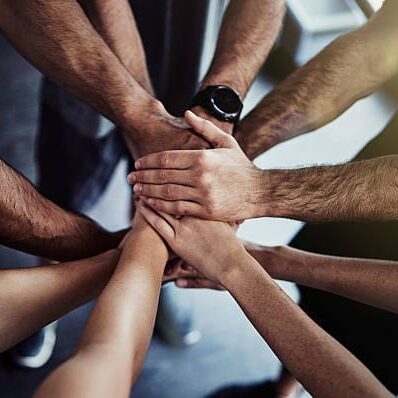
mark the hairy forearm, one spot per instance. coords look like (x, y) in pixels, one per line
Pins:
(350, 68)
(31, 223)
(369, 281)
(247, 34)
(360, 191)
(59, 40)
(114, 21)
(320, 363)
(34, 297)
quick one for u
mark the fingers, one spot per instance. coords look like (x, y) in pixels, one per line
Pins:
(215, 136)
(177, 208)
(166, 191)
(198, 283)
(158, 223)
(161, 176)
(181, 159)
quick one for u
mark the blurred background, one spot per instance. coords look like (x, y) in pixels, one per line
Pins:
(230, 351)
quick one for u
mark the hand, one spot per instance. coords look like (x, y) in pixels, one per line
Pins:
(220, 183)
(228, 127)
(160, 131)
(211, 247)
(187, 276)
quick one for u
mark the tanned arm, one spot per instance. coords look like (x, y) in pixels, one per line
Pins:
(33, 297)
(350, 68)
(223, 184)
(324, 367)
(32, 223)
(114, 21)
(357, 191)
(369, 281)
(248, 32)
(112, 349)
(59, 39)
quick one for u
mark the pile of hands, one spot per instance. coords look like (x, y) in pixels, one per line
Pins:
(194, 199)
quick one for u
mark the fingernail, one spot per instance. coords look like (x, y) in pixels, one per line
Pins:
(137, 164)
(131, 179)
(137, 188)
(182, 283)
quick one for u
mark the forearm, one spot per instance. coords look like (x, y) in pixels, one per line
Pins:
(372, 282)
(31, 223)
(114, 21)
(350, 68)
(320, 363)
(59, 40)
(27, 293)
(115, 341)
(247, 34)
(365, 190)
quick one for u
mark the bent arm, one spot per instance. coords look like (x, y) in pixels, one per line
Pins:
(350, 68)
(372, 282)
(58, 38)
(317, 360)
(31, 223)
(112, 349)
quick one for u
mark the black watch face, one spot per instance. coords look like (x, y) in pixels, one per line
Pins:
(226, 101)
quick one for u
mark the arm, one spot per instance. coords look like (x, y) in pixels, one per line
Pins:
(323, 366)
(248, 32)
(114, 343)
(25, 293)
(32, 223)
(350, 68)
(319, 362)
(115, 23)
(372, 282)
(60, 41)
(223, 184)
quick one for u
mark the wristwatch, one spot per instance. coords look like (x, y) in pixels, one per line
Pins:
(223, 102)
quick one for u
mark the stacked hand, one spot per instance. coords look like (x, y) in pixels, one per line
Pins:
(194, 240)
(219, 183)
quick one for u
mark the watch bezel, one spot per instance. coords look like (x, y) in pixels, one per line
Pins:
(226, 116)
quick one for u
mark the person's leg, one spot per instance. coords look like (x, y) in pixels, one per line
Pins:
(369, 333)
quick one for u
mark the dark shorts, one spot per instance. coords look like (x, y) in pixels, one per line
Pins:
(77, 149)
(369, 333)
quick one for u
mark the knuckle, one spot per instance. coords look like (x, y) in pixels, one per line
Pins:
(202, 159)
(205, 180)
(169, 191)
(180, 209)
(164, 159)
(162, 176)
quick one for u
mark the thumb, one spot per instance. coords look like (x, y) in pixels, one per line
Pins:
(211, 133)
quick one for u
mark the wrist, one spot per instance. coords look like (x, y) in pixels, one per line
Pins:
(271, 195)
(254, 139)
(238, 265)
(234, 81)
(134, 115)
